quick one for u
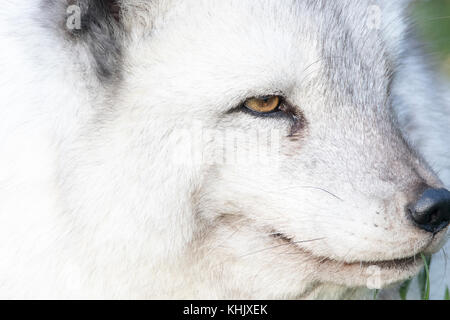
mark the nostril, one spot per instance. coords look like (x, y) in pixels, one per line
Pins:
(432, 211)
(435, 216)
(417, 217)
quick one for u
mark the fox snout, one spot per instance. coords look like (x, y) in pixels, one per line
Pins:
(431, 212)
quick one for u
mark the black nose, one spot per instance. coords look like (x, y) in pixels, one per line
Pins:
(432, 211)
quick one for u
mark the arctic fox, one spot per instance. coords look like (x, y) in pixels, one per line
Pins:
(215, 149)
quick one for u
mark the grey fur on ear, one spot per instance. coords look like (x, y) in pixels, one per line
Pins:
(115, 9)
(97, 24)
(95, 12)
(101, 30)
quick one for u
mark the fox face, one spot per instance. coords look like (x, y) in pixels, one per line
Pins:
(280, 122)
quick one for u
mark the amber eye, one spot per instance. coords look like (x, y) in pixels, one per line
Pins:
(263, 104)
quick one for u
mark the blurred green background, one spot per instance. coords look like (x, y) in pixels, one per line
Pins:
(433, 21)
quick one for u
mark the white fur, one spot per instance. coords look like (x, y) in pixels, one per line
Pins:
(95, 202)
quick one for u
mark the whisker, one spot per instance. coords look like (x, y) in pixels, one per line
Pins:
(279, 246)
(315, 188)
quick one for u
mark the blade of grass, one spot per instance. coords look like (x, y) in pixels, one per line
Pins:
(375, 294)
(426, 279)
(422, 280)
(404, 288)
(447, 294)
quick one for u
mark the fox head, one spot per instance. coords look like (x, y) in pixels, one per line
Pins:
(250, 149)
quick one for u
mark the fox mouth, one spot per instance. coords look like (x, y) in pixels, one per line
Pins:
(390, 263)
(375, 274)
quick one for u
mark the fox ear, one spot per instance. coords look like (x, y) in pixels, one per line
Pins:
(98, 24)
